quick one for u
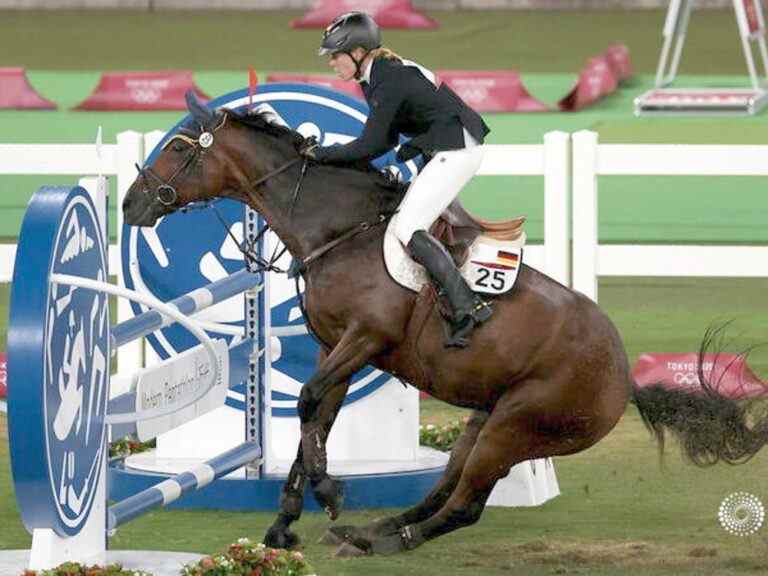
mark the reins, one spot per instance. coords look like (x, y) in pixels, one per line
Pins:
(348, 235)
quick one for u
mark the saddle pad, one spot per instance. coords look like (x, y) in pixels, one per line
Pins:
(491, 267)
(400, 266)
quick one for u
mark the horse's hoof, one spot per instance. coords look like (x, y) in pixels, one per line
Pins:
(387, 545)
(281, 538)
(385, 527)
(348, 550)
(343, 533)
(329, 493)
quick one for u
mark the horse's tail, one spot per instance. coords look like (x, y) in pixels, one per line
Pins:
(709, 426)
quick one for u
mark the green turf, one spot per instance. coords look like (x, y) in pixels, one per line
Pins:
(619, 513)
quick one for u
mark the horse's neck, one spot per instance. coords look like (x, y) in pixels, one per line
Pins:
(331, 201)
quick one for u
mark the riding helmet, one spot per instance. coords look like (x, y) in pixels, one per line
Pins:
(350, 31)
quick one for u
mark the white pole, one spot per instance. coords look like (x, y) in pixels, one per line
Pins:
(130, 147)
(556, 206)
(585, 213)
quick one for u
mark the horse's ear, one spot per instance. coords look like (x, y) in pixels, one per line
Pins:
(200, 112)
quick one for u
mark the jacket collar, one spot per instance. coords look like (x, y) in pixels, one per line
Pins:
(366, 77)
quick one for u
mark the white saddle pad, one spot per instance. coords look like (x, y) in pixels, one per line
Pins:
(491, 266)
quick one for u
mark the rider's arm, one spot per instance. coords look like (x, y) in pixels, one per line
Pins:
(378, 135)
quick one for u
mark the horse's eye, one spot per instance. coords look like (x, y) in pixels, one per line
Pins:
(178, 147)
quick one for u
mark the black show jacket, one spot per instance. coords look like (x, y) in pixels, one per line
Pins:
(403, 101)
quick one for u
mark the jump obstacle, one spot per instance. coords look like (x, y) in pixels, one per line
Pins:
(59, 415)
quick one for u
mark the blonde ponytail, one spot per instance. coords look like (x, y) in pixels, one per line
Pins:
(386, 53)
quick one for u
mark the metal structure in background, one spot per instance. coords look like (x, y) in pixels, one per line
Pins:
(665, 100)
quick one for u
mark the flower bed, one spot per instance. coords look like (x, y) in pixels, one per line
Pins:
(247, 559)
(124, 447)
(441, 437)
(75, 569)
(242, 558)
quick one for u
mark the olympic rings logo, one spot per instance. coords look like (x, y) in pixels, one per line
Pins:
(689, 378)
(146, 95)
(473, 94)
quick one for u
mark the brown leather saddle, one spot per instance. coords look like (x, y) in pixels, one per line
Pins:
(457, 229)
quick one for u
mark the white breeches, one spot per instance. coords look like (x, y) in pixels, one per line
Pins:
(436, 186)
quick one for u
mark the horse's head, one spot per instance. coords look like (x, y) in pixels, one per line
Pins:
(207, 158)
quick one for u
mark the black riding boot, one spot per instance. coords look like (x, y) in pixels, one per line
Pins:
(469, 310)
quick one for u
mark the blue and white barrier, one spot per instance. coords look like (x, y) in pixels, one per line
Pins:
(188, 305)
(170, 490)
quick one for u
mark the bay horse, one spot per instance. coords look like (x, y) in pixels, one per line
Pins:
(546, 376)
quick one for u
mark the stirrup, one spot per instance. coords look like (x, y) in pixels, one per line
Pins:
(482, 311)
(463, 328)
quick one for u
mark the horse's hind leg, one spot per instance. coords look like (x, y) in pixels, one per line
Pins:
(508, 437)
(432, 502)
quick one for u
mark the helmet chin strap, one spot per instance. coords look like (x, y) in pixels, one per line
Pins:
(358, 64)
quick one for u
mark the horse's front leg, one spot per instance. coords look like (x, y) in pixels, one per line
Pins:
(279, 534)
(353, 351)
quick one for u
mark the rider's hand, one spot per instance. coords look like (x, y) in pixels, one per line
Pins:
(308, 148)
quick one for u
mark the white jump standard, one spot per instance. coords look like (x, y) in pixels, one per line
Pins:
(60, 348)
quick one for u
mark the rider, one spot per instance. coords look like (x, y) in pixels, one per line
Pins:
(404, 99)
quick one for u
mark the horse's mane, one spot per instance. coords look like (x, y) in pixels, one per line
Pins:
(261, 121)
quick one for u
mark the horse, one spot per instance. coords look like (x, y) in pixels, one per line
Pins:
(546, 376)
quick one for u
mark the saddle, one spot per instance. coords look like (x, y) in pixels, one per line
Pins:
(457, 229)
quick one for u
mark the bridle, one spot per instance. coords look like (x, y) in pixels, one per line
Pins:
(165, 192)
(167, 196)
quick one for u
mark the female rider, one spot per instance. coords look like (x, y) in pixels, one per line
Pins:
(404, 99)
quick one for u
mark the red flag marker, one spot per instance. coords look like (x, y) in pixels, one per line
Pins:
(251, 85)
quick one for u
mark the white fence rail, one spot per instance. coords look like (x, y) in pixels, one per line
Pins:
(570, 167)
(591, 259)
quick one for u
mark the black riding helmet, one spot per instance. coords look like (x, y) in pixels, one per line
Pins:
(349, 31)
